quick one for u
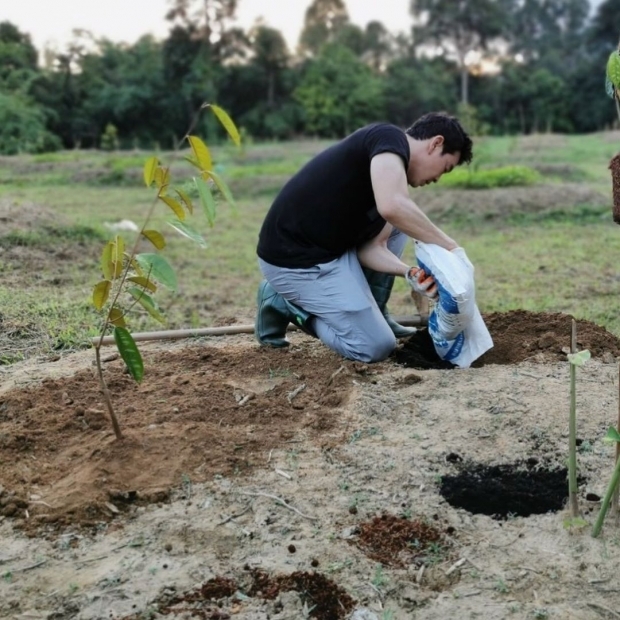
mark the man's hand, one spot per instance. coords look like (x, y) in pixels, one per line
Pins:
(421, 283)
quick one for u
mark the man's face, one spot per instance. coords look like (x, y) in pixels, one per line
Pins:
(433, 163)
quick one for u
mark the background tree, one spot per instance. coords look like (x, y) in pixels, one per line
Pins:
(339, 93)
(323, 22)
(459, 27)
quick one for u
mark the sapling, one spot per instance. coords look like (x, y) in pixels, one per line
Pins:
(575, 359)
(130, 278)
(612, 436)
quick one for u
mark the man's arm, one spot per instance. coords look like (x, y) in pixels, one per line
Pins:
(376, 255)
(389, 182)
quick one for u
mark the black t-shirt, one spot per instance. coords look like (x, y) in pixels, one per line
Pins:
(329, 207)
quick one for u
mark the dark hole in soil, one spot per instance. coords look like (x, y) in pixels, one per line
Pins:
(325, 599)
(507, 490)
(418, 351)
(396, 541)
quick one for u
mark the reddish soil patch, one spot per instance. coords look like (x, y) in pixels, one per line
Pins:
(399, 542)
(324, 599)
(199, 412)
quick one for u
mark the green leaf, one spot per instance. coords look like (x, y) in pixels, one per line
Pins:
(206, 199)
(228, 124)
(613, 68)
(147, 302)
(221, 185)
(570, 522)
(129, 352)
(175, 206)
(201, 153)
(149, 170)
(579, 359)
(157, 267)
(155, 237)
(612, 435)
(101, 293)
(188, 231)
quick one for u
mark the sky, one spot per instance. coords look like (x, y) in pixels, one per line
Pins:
(51, 22)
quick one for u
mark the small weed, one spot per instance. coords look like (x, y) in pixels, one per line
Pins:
(435, 553)
(292, 458)
(387, 614)
(8, 576)
(335, 567)
(379, 579)
(541, 613)
(73, 588)
(501, 587)
(279, 372)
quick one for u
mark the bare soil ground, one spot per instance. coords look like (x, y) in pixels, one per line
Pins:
(290, 484)
(257, 484)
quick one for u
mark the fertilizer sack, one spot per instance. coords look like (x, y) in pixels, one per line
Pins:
(455, 324)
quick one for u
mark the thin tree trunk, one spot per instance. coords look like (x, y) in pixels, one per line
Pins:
(464, 84)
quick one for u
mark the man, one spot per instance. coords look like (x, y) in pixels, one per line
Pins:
(331, 243)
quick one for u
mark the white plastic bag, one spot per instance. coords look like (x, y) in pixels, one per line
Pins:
(455, 324)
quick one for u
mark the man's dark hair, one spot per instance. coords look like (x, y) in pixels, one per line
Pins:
(441, 124)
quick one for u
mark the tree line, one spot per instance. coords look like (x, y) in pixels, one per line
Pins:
(504, 66)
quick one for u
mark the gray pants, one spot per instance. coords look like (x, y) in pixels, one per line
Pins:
(347, 318)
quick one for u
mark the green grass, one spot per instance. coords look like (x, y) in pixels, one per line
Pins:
(561, 259)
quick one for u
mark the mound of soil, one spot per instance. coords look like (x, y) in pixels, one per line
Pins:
(518, 336)
(197, 413)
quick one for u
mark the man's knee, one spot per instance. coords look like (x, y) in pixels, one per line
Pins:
(375, 347)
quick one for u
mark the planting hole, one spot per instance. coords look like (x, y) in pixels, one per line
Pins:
(502, 491)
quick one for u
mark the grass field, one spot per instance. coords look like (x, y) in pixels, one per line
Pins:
(548, 247)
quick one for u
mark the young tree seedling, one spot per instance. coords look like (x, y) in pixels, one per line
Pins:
(130, 278)
(575, 359)
(612, 436)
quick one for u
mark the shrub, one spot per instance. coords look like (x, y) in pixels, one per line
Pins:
(506, 176)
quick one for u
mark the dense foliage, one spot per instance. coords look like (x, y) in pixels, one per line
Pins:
(507, 66)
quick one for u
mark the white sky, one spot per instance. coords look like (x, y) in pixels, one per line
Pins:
(52, 21)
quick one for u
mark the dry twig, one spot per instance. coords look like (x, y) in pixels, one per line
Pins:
(280, 501)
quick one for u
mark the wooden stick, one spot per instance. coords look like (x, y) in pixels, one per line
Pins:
(179, 334)
(572, 431)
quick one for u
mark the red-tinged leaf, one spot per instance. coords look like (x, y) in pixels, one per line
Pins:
(101, 293)
(129, 352)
